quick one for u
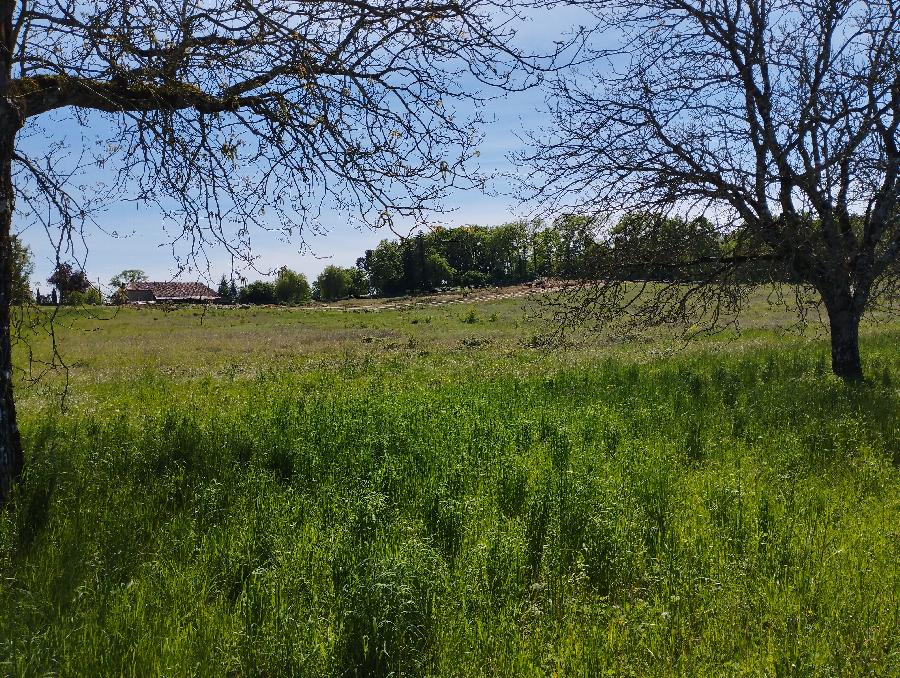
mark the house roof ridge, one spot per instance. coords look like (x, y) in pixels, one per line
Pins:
(174, 289)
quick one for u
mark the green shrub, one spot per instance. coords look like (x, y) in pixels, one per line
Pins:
(258, 292)
(471, 317)
(90, 297)
(292, 287)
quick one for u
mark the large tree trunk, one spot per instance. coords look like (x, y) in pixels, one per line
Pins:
(11, 119)
(11, 459)
(844, 322)
(10, 444)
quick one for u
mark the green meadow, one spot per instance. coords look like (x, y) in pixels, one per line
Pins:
(428, 491)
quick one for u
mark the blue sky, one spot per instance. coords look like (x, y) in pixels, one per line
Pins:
(145, 247)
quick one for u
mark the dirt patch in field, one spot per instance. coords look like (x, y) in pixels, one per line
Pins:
(454, 296)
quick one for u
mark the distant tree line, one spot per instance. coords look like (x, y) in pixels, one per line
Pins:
(293, 288)
(644, 246)
(647, 246)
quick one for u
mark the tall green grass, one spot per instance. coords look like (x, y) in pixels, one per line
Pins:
(707, 515)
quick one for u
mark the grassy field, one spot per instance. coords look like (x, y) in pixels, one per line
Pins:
(421, 491)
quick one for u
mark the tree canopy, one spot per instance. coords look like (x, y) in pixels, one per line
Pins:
(222, 113)
(69, 281)
(778, 121)
(127, 277)
(22, 268)
(292, 287)
(332, 284)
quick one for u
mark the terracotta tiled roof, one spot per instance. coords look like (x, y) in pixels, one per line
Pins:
(164, 291)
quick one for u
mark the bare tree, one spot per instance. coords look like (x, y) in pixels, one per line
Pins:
(231, 114)
(777, 120)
